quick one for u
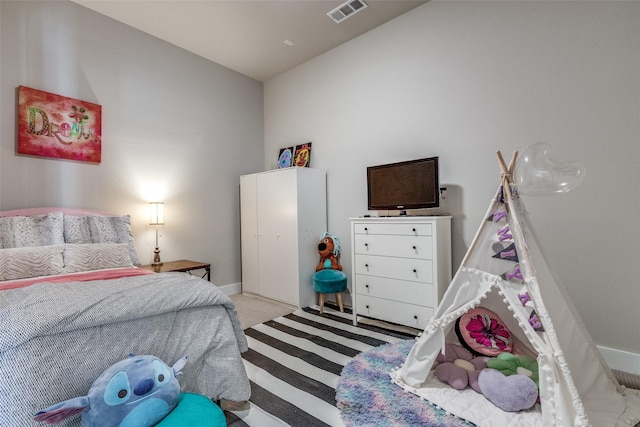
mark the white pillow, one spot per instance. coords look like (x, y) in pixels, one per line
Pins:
(100, 229)
(31, 261)
(38, 230)
(95, 256)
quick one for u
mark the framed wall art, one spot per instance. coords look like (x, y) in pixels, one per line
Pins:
(285, 158)
(56, 126)
(302, 156)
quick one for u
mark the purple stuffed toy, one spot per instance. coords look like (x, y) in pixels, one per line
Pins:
(510, 382)
(511, 393)
(459, 368)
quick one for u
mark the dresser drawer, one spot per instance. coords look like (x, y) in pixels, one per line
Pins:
(395, 290)
(414, 270)
(407, 229)
(392, 311)
(393, 245)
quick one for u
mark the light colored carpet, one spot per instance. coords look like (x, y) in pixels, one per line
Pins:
(254, 310)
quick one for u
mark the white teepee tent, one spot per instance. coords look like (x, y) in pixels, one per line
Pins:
(576, 386)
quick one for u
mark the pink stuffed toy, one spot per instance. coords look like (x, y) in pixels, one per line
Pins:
(459, 368)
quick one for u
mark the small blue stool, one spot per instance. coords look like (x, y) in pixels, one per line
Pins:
(328, 281)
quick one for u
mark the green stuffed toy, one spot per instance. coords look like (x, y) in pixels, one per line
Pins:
(510, 364)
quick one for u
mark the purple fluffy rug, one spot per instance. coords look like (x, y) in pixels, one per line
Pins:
(366, 396)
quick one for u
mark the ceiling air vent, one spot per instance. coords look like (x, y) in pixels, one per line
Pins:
(346, 10)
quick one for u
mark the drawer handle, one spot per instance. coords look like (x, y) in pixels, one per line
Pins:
(415, 271)
(366, 286)
(414, 231)
(366, 266)
(366, 230)
(367, 306)
(415, 316)
(415, 249)
(366, 245)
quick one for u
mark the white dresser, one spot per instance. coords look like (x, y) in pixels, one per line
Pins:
(401, 267)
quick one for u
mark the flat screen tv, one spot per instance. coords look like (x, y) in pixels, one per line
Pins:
(404, 185)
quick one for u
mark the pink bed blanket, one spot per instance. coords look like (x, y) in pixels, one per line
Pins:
(85, 276)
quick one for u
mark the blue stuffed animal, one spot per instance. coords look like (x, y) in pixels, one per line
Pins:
(138, 391)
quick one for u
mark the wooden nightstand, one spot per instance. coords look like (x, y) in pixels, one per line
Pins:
(183, 265)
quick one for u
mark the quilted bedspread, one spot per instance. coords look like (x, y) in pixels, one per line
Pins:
(56, 339)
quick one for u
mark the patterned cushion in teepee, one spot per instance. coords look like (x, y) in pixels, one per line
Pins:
(483, 333)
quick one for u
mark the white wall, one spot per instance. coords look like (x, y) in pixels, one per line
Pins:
(461, 80)
(176, 128)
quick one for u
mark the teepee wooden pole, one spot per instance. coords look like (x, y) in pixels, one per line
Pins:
(512, 164)
(503, 166)
(505, 178)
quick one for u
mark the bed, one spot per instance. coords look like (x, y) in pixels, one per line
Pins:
(73, 302)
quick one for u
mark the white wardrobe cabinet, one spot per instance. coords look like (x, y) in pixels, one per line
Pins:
(283, 214)
(401, 267)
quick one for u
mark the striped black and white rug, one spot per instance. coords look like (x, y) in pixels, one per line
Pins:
(294, 363)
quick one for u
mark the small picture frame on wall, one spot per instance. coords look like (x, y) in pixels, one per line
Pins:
(285, 158)
(302, 155)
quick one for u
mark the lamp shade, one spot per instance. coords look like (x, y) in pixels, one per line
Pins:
(156, 213)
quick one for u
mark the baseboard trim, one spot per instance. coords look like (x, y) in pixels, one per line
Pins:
(621, 360)
(232, 289)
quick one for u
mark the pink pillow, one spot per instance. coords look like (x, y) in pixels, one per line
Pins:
(483, 333)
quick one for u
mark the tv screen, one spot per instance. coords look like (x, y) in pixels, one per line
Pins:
(404, 185)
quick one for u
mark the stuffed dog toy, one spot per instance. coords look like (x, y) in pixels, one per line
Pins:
(329, 250)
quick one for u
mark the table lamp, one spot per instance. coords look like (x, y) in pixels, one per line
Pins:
(156, 217)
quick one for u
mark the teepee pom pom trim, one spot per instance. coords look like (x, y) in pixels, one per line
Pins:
(431, 328)
(486, 276)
